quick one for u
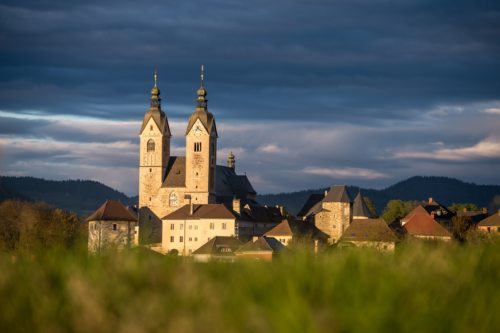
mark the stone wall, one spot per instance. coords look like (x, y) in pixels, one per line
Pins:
(334, 219)
(105, 235)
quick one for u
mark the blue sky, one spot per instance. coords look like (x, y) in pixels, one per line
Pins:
(305, 93)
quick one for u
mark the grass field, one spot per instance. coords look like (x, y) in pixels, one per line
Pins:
(423, 288)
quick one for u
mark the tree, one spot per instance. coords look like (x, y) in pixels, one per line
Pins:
(457, 207)
(371, 206)
(461, 225)
(397, 209)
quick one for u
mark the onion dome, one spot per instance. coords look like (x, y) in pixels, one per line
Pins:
(155, 112)
(201, 112)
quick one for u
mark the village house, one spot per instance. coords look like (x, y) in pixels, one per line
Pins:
(366, 232)
(260, 248)
(219, 248)
(490, 224)
(112, 226)
(419, 224)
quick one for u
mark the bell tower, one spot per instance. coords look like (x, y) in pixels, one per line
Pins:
(154, 149)
(201, 150)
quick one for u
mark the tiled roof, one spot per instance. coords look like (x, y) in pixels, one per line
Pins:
(359, 207)
(417, 210)
(424, 225)
(282, 229)
(219, 245)
(262, 244)
(112, 210)
(312, 201)
(176, 172)
(205, 211)
(338, 193)
(296, 228)
(258, 213)
(492, 221)
(375, 230)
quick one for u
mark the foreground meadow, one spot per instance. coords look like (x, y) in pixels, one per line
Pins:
(425, 288)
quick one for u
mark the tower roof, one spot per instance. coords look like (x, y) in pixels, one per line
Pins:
(338, 193)
(201, 112)
(155, 112)
(359, 207)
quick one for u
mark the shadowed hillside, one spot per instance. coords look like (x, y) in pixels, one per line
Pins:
(445, 190)
(79, 196)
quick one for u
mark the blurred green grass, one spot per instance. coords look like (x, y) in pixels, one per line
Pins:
(420, 288)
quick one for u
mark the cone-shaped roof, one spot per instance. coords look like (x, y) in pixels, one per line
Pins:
(359, 207)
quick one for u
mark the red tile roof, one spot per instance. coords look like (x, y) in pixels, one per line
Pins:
(421, 224)
(112, 210)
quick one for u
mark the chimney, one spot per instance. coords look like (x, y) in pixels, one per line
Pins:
(430, 200)
(237, 205)
(464, 209)
(433, 213)
(282, 210)
(326, 192)
(485, 210)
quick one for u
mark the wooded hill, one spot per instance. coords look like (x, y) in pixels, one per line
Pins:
(84, 196)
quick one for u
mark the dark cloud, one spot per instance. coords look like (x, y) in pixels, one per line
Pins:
(386, 70)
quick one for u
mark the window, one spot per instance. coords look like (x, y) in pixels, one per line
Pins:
(171, 239)
(114, 226)
(150, 170)
(224, 226)
(195, 227)
(498, 229)
(212, 225)
(181, 239)
(196, 239)
(182, 226)
(173, 199)
(150, 127)
(151, 145)
(190, 239)
(197, 146)
(489, 229)
(172, 226)
(190, 227)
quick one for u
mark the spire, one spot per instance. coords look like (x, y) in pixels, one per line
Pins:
(202, 93)
(155, 93)
(231, 162)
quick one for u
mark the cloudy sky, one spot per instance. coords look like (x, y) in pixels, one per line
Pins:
(305, 93)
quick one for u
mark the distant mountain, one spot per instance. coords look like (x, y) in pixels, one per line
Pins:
(444, 190)
(79, 196)
(84, 196)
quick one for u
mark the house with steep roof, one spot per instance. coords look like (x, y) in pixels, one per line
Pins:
(439, 212)
(289, 231)
(366, 232)
(219, 248)
(490, 224)
(419, 224)
(260, 248)
(112, 226)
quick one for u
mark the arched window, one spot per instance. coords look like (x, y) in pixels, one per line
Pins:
(197, 146)
(151, 145)
(173, 200)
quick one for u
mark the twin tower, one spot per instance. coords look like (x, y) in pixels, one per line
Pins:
(166, 182)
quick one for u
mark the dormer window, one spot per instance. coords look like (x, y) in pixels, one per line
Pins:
(197, 146)
(151, 145)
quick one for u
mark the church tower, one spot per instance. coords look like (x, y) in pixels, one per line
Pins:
(154, 149)
(201, 150)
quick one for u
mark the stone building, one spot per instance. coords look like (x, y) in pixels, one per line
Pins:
(332, 214)
(112, 226)
(260, 248)
(166, 182)
(219, 248)
(290, 231)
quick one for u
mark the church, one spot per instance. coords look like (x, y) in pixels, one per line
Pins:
(167, 183)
